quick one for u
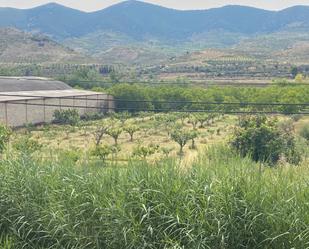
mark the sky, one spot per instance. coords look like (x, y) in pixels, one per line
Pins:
(92, 5)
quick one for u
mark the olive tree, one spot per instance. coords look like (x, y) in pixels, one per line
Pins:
(145, 151)
(203, 118)
(181, 137)
(122, 117)
(100, 131)
(102, 152)
(114, 132)
(194, 121)
(193, 135)
(131, 130)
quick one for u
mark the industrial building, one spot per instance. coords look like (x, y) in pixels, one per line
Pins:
(25, 100)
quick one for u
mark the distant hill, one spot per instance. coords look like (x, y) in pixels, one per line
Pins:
(19, 47)
(134, 32)
(139, 20)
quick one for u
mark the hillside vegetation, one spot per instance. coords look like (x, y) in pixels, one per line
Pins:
(139, 23)
(24, 48)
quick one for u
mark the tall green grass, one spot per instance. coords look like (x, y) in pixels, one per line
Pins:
(223, 201)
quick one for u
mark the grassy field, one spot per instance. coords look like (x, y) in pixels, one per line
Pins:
(222, 201)
(153, 130)
(209, 198)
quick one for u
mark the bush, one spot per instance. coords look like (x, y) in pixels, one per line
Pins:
(182, 137)
(92, 116)
(27, 146)
(145, 151)
(102, 152)
(262, 140)
(5, 134)
(68, 117)
(304, 132)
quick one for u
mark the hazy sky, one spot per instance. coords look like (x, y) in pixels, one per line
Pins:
(91, 5)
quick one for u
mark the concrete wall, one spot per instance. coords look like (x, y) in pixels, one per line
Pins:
(37, 111)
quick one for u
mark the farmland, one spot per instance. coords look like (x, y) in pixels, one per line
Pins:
(173, 167)
(193, 132)
(149, 131)
(54, 194)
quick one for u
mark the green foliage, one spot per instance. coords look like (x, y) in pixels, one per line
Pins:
(92, 116)
(114, 132)
(193, 136)
(193, 120)
(70, 155)
(223, 201)
(121, 116)
(145, 151)
(261, 139)
(181, 98)
(102, 152)
(131, 130)
(27, 146)
(203, 119)
(181, 137)
(294, 71)
(69, 117)
(131, 93)
(166, 151)
(304, 132)
(5, 134)
(100, 131)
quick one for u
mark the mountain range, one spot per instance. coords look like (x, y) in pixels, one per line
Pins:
(139, 32)
(138, 20)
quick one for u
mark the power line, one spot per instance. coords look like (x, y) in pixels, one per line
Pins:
(219, 84)
(157, 110)
(153, 101)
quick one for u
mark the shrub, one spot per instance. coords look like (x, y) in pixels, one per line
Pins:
(262, 140)
(102, 152)
(145, 151)
(27, 146)
(304, 132)
(5, 134)
(193, 120)
(181, 137)
(193, 136)
(92, 116)
(72, 155)
(122, 116)
(131, 130)
(114, 132)
(100, 131)
(69, 117)
(296, 117)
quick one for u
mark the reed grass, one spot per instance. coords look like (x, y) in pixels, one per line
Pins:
(222, 201)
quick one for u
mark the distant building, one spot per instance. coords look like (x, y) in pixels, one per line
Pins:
(25, 100)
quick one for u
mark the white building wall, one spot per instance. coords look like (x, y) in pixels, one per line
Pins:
(37, 111)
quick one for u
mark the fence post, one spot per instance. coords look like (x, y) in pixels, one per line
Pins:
(6, 113)
(44, 110)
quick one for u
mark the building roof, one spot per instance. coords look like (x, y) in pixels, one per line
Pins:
(14, 84)
(28, 95)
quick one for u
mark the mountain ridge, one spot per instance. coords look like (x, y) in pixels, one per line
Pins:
(140, 20)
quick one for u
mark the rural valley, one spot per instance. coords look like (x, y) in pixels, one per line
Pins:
(142, 126)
